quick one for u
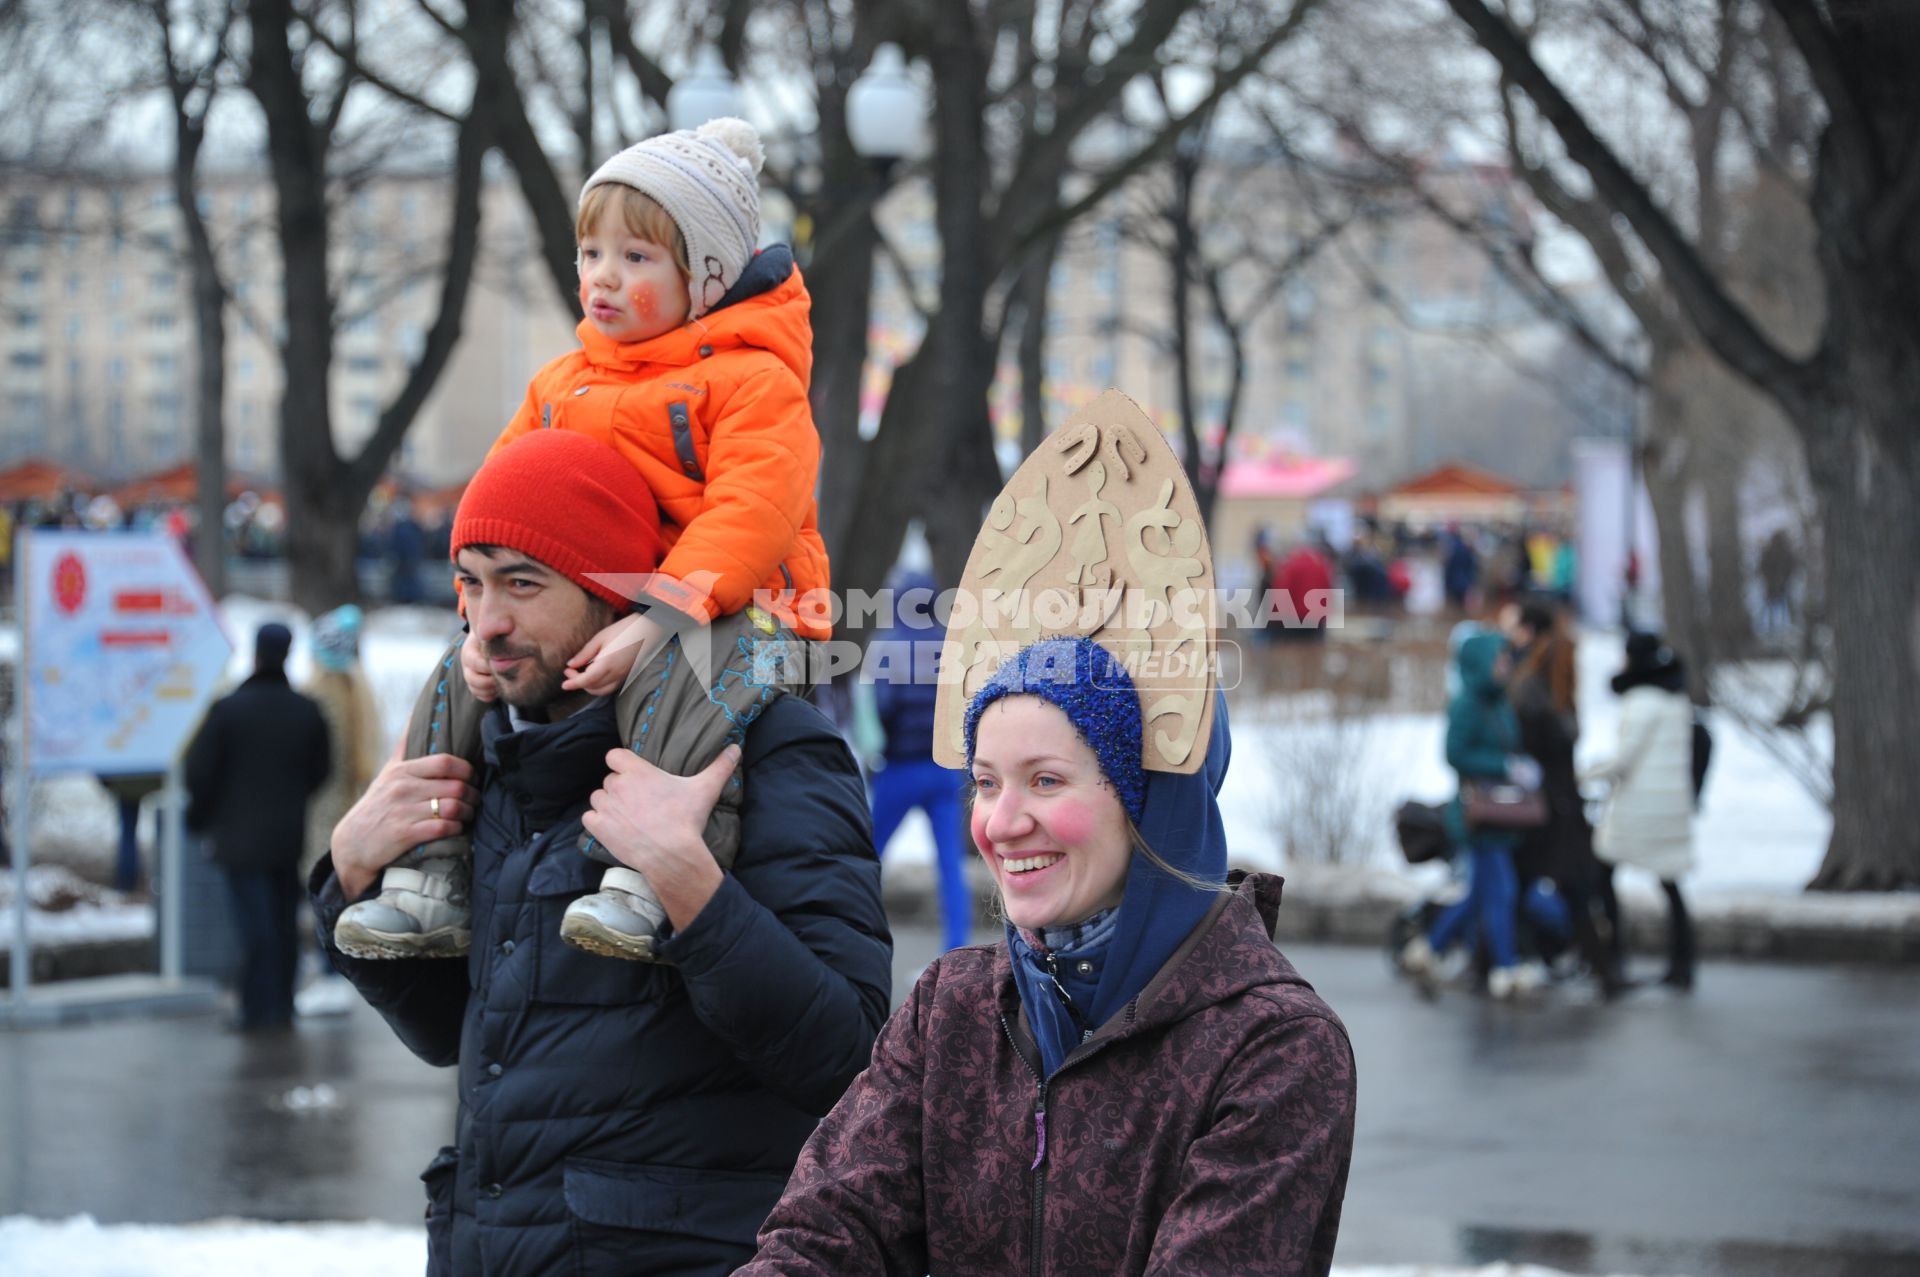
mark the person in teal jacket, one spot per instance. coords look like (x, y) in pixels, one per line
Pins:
(1482, 739)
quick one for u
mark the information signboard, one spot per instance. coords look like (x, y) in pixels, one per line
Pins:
(122, 650)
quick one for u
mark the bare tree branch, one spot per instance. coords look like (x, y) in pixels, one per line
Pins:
(1017, 240)
(1722, 323)
(1850, 133)
(385, 84)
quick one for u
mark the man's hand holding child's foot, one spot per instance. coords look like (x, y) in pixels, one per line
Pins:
(601, 667)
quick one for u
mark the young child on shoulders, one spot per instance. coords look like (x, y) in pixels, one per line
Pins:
(694, 360)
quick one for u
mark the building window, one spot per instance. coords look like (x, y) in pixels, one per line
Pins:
(116, 286)
(363, 363)
(160, 322)
(27, 359)
(23, 223)
(73, 283)
(76, 328)
(28, 279)
(116, 371)
(1299, 299)
(163, 281)
(26, 319)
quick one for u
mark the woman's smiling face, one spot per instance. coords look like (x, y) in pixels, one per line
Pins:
(1050, 826)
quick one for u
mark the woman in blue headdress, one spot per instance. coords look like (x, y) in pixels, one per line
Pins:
(1134, 1080)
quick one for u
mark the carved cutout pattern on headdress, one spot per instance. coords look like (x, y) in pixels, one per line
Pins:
(1098, 535)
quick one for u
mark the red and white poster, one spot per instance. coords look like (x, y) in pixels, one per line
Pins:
(122, 650)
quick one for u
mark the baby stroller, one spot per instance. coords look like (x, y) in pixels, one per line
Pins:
(1544, 927)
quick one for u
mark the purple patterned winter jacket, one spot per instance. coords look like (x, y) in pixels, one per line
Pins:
(1205, 1130)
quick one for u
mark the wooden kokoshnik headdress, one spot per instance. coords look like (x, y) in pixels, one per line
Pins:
(1097, 534)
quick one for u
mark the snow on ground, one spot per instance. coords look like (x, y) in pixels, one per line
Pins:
(79, 1247)
(1758, 840)
(1758, 831)
(67, 909)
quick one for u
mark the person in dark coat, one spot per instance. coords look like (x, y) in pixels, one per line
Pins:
(1542, 694)
(1460, 568)
(252, 768)
(618, 1117)
(1134, 1080)
(903, 700)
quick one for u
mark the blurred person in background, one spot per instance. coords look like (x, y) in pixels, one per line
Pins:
(1483, 740)
(256, 761)
(339, 687)
(1305, 577)
(1542, 694)
(907, 777)
(1649, 813)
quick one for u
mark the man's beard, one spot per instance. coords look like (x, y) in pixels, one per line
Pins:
(535, 685)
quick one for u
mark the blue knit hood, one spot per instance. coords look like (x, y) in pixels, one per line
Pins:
(1179, 818)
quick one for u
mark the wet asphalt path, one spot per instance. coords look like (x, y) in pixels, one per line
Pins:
(1768, 1126)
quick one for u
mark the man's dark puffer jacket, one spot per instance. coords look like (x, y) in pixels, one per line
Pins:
(620, 1117)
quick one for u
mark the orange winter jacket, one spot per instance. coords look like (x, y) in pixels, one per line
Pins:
(715, 415)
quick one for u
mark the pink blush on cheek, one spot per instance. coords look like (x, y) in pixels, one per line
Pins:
(1071, 822)
(585, 291)
(978, 824)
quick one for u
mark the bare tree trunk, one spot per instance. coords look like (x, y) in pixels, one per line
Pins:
(1185, 168)
(879, 517)
(319, 548)
(1729, 619)
(1666, 468)
(1036, 280)
(839, 272)
(842, 290)
(210, 362)
(1871, 523)
(326, 493)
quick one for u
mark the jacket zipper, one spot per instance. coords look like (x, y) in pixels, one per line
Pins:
(1039, 1168)
(546, 416)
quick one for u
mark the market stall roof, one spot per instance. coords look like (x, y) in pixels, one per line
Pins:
(1284, 477)
(40, 480)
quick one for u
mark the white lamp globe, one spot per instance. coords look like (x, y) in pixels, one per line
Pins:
(705, 93)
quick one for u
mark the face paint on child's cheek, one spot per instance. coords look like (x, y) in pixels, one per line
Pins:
(646, 304)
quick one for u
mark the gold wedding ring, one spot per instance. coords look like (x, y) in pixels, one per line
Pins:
(433, 805)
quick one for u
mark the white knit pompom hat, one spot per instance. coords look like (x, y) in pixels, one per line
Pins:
(708, 181)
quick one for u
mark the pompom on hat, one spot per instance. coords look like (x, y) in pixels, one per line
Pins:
(569, 501)
(707, 179)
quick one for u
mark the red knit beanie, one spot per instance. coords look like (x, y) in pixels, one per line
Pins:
(569, 501)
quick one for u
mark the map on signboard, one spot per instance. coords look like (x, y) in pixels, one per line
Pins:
(123, 650)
